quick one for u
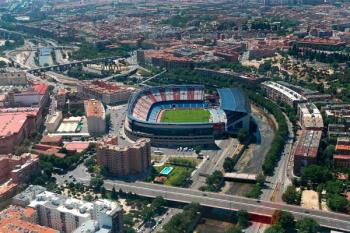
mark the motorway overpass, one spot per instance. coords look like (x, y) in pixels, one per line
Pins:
(329, 220)
(71, 64)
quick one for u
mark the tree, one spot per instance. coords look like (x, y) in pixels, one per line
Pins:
(234, 229)
(147, 214)
(327, 154)
(307, 225)
(103, 192)
(114, 194)
(291, 196)
(96, 183)
(88, 197)
(335, 187)
(158, 204)
(3, 64)
(286, 221)
(243, 218)
(260, 180)
(242, 135)
(229, 165)
(315, 174)
(198, 149)
(337, 202)
(274, 229)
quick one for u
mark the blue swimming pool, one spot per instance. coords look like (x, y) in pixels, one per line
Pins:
(166, 171)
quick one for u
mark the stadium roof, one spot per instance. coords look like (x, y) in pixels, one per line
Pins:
(234, 99)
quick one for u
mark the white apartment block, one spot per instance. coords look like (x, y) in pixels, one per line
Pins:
(69, 214)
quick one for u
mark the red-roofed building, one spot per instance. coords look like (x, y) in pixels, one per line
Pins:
(52, 140)
(76, 146)
(319, 43)
(106, 92)
(15, 126)
(16, 219)
(306, 148)
(43, 90)
(341, 157)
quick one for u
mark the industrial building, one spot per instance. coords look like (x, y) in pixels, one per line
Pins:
(124, 160)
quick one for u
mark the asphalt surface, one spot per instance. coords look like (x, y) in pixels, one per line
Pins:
(214, 161)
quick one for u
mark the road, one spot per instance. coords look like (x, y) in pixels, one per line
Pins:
(215, 161)
(278, 183)
(281, 179)
(230, 202)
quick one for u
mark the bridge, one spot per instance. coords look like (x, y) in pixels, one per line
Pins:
(66, 66)
(255, 207)
(46, 47)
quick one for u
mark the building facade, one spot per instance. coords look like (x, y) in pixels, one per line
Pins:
(96, 117)
(124, 160)
(69, 214)
(13, 78)
(306, 149)
(106, 92)
(310, 116)
(278, 92)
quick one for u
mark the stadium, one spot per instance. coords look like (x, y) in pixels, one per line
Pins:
(181, 115)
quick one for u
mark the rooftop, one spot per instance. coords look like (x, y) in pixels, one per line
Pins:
(308, 143)
(289, 93)
(12, 123)
(105, 87)
(15, 220)
(94, 108)
(234, 99)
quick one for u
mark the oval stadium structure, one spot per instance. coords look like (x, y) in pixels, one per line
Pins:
(180, 115)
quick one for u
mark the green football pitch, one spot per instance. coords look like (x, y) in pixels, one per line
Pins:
(185, 115)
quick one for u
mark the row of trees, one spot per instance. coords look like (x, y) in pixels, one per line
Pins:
(325, 57)
(182, 222)
(278, 143)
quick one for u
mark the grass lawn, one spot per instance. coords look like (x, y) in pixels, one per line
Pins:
(186, 115)
(178, 176)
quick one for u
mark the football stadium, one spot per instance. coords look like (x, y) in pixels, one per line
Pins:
(183, 115)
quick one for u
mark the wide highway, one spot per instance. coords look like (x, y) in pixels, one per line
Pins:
(230, 202)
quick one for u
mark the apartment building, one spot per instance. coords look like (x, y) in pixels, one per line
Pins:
(21, 219)
(69, 214)
(16, 125)
(13, 78)
(61, 98)
(96, 117)
(15, 170)
(107, 92)
(278, 92)
(306, 149)
(341, 157)
(54, 121)
(310, 116)
(124, 160)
